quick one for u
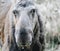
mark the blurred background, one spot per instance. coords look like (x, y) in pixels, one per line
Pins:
(50, 13)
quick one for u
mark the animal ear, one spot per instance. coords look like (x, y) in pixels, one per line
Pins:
(40, 22)
(41, 36)
(39, 17)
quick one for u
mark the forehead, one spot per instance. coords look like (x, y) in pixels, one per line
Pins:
(23, 5)
(26, 3)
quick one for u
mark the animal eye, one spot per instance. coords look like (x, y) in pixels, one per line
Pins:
(15, 12)
(32, 12)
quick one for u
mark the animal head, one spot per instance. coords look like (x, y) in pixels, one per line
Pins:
(26, 19)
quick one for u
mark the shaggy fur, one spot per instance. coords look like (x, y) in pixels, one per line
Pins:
(10, 41)
(4, 8)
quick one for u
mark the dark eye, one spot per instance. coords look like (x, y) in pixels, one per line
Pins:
(15, 12)
(32, 12)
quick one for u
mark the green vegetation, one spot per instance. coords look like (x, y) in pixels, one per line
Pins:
(0, 49)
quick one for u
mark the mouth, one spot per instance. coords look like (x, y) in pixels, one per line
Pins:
(24, 47)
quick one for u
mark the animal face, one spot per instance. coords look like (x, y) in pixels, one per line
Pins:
(25, 21)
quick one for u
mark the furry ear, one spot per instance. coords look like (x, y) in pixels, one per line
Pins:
(41, 35)
(38, 30)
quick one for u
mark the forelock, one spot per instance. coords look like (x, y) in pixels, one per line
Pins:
(25, 3)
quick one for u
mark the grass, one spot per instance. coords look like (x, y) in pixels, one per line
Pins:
(0, 49)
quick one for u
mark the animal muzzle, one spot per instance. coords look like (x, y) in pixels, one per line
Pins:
(24, 46)
(24, 39)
